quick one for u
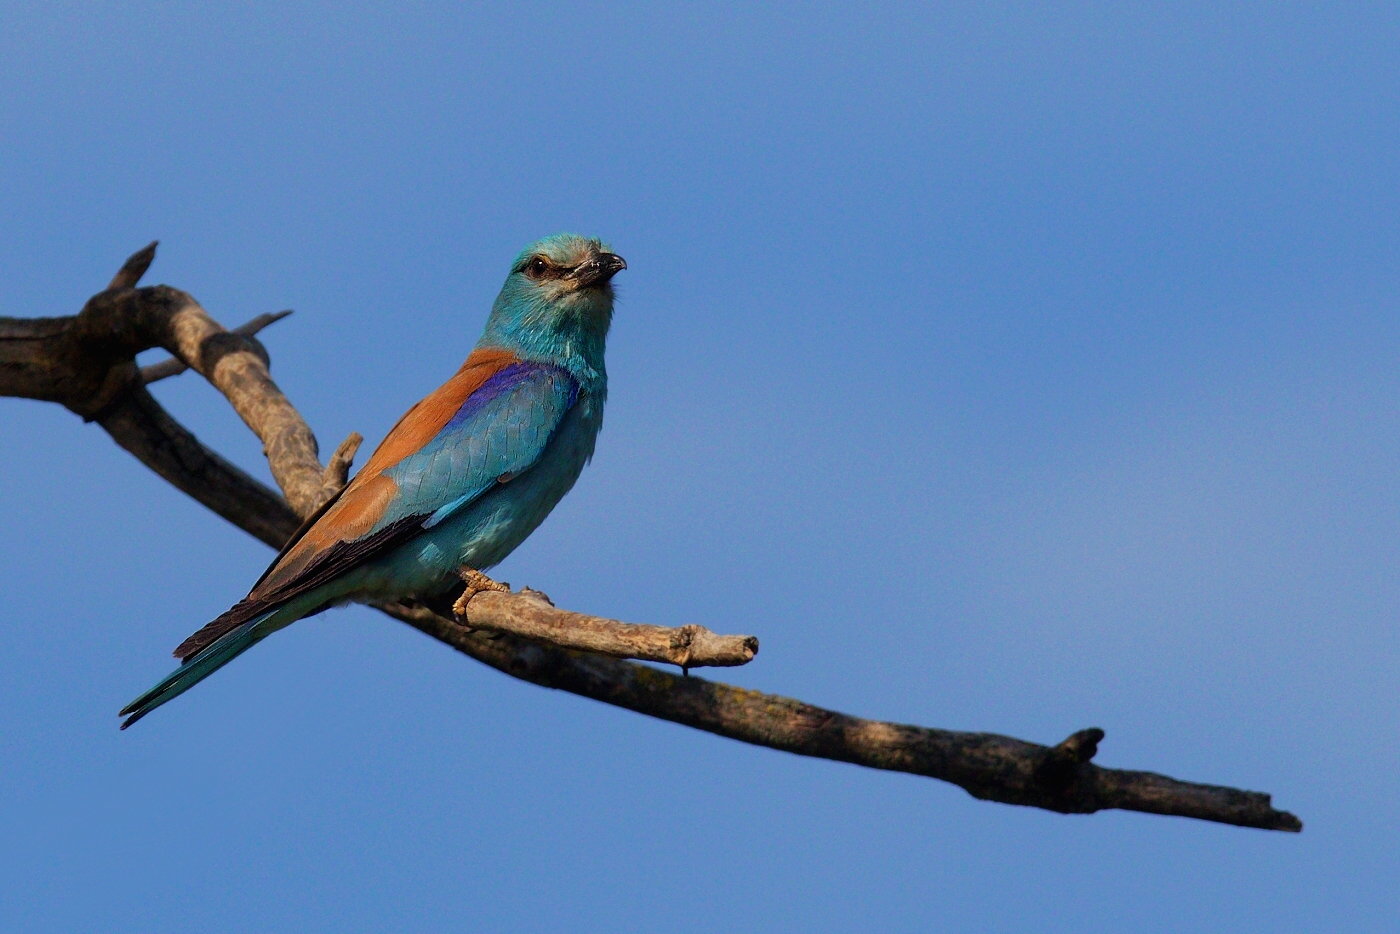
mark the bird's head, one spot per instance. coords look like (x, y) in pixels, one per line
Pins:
(569, 273)
(557, 300)
(559, 286)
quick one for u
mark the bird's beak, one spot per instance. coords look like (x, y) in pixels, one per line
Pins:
(597, 270)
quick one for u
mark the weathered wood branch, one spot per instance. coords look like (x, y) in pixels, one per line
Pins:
(141, 426)
(535, 617)
(173, 366)
(988, 766)
(87, 364)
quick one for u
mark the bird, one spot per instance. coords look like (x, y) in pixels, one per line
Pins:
(463, 477)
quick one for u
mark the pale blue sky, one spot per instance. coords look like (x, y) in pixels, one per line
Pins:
(1001, 368)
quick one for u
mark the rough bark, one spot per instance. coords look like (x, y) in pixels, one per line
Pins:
(536, 618)
(86, 363)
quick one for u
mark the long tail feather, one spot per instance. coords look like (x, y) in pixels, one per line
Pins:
(224, 650)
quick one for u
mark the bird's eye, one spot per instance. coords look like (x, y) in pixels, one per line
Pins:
(537, 267)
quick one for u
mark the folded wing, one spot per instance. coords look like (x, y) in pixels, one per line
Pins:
(488, 423)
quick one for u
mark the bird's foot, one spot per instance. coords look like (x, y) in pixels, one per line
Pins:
(476, 583)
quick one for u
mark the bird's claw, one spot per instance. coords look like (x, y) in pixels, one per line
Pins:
(476, 583)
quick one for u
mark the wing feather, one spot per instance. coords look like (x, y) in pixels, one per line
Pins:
(505, 413)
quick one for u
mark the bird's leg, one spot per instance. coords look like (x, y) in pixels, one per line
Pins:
(476, 583)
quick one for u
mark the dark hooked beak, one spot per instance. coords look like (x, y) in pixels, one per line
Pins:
(597, 270)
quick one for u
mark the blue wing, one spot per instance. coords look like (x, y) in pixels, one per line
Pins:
(500, 431)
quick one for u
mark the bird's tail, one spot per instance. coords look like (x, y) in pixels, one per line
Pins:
(198, 667)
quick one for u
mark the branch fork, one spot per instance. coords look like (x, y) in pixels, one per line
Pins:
(86, 363)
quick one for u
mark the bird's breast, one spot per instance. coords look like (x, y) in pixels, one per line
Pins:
(488, 530)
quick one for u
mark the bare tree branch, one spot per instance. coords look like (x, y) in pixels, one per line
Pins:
(986, 765)
(535, 617)
(134, 268)
(87, 364)
(173, 367)
(138, 423)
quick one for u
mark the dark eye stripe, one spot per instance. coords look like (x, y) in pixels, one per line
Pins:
(541, 268)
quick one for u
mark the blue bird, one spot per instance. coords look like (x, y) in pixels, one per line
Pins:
(464, 476)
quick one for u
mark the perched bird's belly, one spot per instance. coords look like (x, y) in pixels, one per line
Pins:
(488, 530)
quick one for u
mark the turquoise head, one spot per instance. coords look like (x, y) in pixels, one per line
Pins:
(557, 304)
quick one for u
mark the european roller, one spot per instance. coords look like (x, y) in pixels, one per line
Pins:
(463, 477)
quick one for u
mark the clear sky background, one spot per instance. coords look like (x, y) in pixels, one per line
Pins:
(1002, 368)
